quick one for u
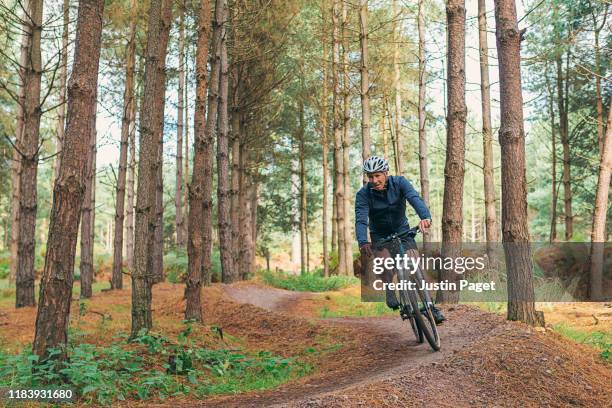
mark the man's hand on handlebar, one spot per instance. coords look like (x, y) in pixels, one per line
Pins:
(424, 224)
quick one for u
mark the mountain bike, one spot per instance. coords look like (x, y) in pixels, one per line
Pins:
(416, 304)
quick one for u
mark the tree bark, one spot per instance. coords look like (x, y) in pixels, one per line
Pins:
(515, 237)
(323, 109)
(598, 229)
(348, 241)
(128, 101)
(487, 135)
(452, 216)
(303, 192)
(16, 163)
(223, 189)
(130, 192)
(553, 136)
(200, 189)
(160, 102)
(144, 237)
(63, 77)
(563, 132)
(87, 217)
(56, 284)
(365, 82)
(423, 148)
(178, 196)
(28, 148)
(338, 157)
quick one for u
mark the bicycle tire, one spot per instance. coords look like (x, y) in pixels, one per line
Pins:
(416, 329)
(428, 328)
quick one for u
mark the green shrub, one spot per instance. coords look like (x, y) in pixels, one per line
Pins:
(156, 367)
(307, 282)
(176, 261)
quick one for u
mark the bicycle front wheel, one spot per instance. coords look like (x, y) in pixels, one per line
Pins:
(425, 321)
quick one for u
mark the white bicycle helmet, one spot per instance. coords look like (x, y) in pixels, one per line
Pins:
(375, 164)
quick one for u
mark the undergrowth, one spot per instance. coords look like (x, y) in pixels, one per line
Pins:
(149, 366)
(307, 282)
(602, 341)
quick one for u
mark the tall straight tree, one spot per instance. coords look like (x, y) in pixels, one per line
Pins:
(338, 157)
(199, 217)
(178, 196)
(598, 234)
(487, 133)
(562, 102)
(16, 163)
(397, 123)
(160, 103)
(144, 234)
(126, 121)
(365, 81)
(423, 155)
(87, 217)
(452, 216)
(129, 219)
(515, 230)
(28, 147)
(61, 110)
(346, 143)
(56, 283)
(323, 115)
(223, 188)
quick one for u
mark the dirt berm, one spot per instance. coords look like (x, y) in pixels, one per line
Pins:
(485, 361)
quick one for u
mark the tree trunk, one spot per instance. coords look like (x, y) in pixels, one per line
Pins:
(423, 153)
(397, 125)
(223, 189)
(128, 101)
(200, 205)
(144, 237)
(61, 110)
(348, 235)
(160, 101)
(338, 157)
(28, 148)
(16, 163)
(452, 216)
(235, 169)
(487, 135)
(130, 192)
(515, 237)
(553, 136)
(178, 196)
(186, 143)
(323, 109)
(563, 131)
(598, 237)
(365, 82)
(87, 217)
(303, 192)
(56, 283)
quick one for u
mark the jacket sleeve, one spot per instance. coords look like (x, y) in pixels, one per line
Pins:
(361, 217)
(413, 197)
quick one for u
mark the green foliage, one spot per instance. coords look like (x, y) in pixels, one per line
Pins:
(176, 261)
(308, 282)
(600, 340)
(5, 265)
(152, 366)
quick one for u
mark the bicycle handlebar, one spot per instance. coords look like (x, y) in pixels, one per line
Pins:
(412, 232)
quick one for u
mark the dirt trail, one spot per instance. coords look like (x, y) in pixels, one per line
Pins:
(389, 346)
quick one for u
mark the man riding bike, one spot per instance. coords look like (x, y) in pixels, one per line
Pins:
(382, 201)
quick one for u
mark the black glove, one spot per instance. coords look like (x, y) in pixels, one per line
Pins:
(366, 250)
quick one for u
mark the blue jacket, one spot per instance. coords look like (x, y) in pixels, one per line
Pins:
(386, 210)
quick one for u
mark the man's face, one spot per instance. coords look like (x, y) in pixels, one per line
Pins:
(378, 180)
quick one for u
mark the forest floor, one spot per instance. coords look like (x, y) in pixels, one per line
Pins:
(360, 361)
